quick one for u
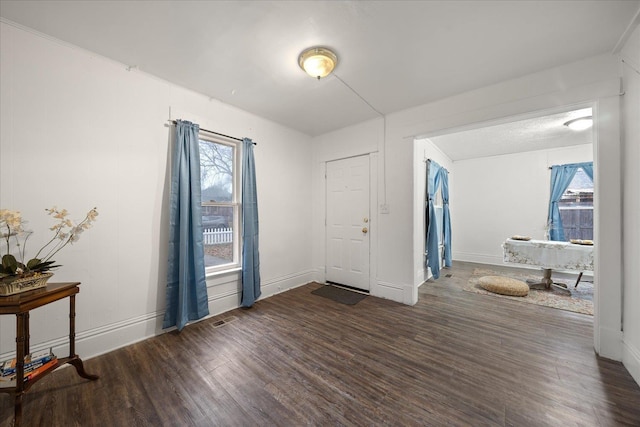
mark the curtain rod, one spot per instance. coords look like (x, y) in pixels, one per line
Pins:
(216, 133)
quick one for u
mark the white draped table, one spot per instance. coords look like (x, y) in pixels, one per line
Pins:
(549, 255)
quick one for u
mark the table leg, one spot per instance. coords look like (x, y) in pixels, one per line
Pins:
(72, 325)
(73, 357)
(22, 343)
(27, 334)
(578, 281)
(546, 282)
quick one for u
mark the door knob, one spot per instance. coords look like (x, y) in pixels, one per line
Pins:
(364, 230)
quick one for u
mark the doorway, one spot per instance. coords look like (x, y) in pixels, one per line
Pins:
(347, 236)
(500, 193)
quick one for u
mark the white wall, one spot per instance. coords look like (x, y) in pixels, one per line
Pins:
(499, 196)
(631, 203)
(424, 149)
(78, 131)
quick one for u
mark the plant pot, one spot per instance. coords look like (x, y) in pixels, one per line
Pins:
(15, 284)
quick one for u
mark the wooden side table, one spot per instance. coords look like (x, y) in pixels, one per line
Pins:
(20, 305)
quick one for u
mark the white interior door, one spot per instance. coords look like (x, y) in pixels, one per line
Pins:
(348, 222)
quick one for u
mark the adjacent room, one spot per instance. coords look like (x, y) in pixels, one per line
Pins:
(500, 177)
(285, 213)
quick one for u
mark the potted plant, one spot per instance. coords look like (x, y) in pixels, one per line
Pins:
(17, 274)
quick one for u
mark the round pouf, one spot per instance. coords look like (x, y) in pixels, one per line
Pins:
(504, 286)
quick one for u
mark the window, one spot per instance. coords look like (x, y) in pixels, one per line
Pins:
(220, 202)
(576, 208)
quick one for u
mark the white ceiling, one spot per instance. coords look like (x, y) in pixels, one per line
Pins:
(395, 54)
(529, 134)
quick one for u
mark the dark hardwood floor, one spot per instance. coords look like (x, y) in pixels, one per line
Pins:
(295, 359)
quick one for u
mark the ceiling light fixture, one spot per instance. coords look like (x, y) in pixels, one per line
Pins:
(318, 61)
(580, 123)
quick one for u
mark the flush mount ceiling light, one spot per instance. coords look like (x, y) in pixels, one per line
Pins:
(318, 61)
(580, 123)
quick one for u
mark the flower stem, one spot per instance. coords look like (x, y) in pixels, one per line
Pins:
(7, 237)
(24, 246)
(48, 243)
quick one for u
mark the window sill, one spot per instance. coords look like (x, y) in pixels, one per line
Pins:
(218, 273)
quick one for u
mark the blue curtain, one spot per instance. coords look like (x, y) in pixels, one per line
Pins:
(444, 175)
(433, 181)
(250, 255)
(186, 284)
(561, 176)
(588, 169)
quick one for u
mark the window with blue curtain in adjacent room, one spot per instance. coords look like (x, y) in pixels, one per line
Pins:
(220, 180)
(576, 208)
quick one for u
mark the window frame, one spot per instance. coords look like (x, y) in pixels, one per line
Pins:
(235, 203)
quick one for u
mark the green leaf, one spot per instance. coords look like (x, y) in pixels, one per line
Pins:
(9, 263)
(43, 266)
(32, 263)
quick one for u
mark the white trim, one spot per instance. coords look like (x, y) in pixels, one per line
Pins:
(631, 360)
(477, 258)
(607, 298)
(104, 339)
(610, 341)
(389, 291)
(235, 204)
(318, 274)
(374, 218)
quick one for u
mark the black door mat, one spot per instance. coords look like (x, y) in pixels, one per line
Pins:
(340, 295)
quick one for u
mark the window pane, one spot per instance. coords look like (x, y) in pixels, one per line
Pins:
(219, 204)
(216, 171)
(576, 208)
(218, 235)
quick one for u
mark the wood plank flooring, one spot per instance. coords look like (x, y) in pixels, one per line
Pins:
(296, 359)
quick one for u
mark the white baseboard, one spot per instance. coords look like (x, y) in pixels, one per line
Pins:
(610, 344)
(410, 295)
(224, 295)
(478, 258)
(103, 339)
(319, 274)
(388, 290)
(631, 360)
(281, 284)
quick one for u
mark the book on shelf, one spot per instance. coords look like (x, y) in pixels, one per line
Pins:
(31, 361)
(41, 369)
(11, 381)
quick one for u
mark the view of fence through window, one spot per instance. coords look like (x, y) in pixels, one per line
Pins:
(219, 205)
(576, 208)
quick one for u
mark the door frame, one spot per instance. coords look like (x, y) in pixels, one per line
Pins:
(373, 217)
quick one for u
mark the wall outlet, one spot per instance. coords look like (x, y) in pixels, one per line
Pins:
(384, 209)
